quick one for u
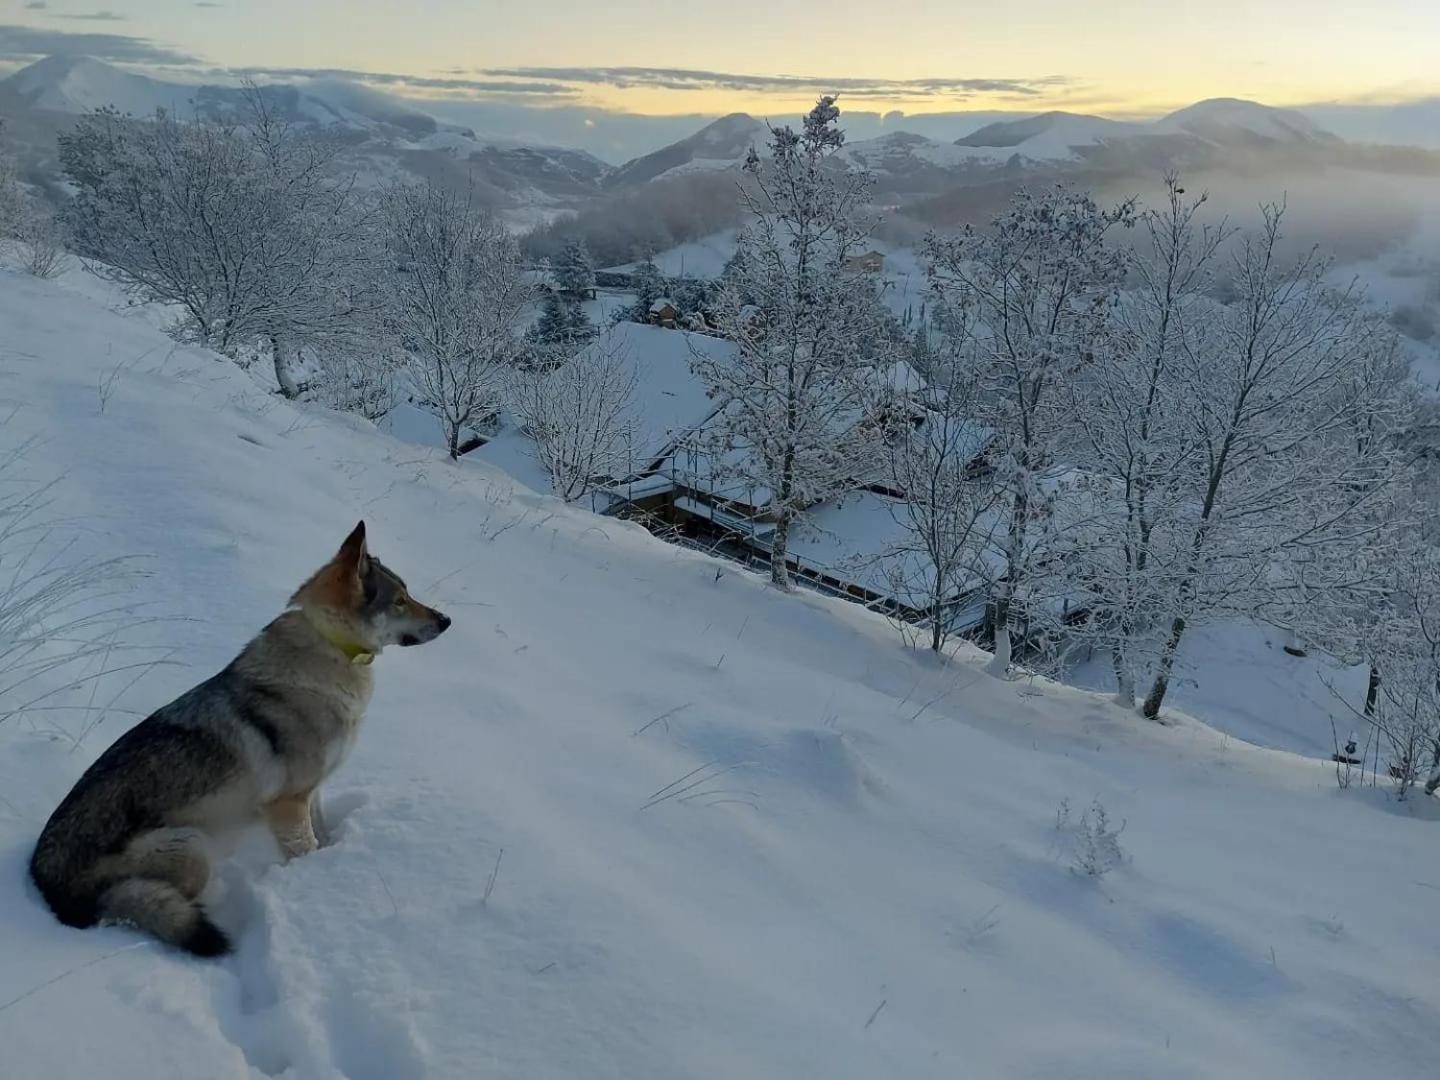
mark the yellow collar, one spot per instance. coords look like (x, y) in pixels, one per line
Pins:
(353, 650)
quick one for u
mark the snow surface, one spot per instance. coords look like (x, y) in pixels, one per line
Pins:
(848, 867)
(703, 258)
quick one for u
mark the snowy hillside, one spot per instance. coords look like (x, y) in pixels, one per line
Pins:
(1227, 121)
(1048, 136)
(744, 834)
(386, 137)
(719, 145)
(77, 84)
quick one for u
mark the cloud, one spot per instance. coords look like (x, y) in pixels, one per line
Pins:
(31, 43)
(95, 16)
(629, 78)
(207, 3)
(36, 5)
(467, 87)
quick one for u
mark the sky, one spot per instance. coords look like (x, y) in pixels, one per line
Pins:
(666, 58)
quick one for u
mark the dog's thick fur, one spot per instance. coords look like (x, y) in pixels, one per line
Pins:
(251, 744)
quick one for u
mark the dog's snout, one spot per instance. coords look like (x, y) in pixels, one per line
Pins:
(442, 621)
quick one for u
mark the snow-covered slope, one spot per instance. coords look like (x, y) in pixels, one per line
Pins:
(77, 84)
(719, 145)
(385, 136)
(1234, 121)
(745, 834)
(1047, 136)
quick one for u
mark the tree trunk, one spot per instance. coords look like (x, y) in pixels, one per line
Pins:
(1153, 700)
(1001, 663)
(1372, 690)
(1124, 681)
(452, 439)
(779, 548)
(284, 373)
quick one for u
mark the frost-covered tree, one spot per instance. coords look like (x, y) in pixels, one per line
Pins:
(578, 415)
(246, 228)
(691, 295)
(1135, 443)
(362, 379)
(553, 325)
(12, 194)
(949, 501)
(453, 298)
(1038, 283)
(649, 285)
(562, 328)
(1293, 399)
(1396, 620)
(796, 391)
(578, 326)
(574, 271)
(26, 222)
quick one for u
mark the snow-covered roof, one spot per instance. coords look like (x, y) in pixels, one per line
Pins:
(660, 304)
(669, 398)
(862, 539)
(512, 450)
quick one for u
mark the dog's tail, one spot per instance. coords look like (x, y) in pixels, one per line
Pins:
(159, 908)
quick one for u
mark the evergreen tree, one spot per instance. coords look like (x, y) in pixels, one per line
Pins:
(649, 285)
(553, 326)
(574, 271)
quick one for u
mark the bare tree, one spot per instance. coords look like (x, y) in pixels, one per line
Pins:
(796, 391)
(1292, 398)
(1039, 282)
(1134, 441)
(26, 222)
(12, 194)
(950, 503)
(578, 415)
(245, 228)
(454, 295)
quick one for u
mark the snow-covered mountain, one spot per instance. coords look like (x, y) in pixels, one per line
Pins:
(386, 136)
(1049, 136)
(1236, 122)
(77, 84)
(719, 145)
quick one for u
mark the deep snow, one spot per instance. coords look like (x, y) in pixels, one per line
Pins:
(745, 834)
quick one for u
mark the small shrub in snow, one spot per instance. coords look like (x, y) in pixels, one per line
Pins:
(1095, 841)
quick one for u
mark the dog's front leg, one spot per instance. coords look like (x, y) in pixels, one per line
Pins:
(289, 820)
(318, 826)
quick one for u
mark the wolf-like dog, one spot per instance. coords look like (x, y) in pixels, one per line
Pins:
(251, 744)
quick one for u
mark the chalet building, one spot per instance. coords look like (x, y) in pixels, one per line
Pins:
(870, 262)
(663, 312)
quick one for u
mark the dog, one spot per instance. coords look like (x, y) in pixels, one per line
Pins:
(252, 744)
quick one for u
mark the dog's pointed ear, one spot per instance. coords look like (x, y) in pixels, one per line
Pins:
(352, 553)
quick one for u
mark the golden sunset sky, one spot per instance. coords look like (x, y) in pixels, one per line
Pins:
(1123, 57)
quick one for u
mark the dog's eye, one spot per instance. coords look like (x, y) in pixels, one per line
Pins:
(399, 604)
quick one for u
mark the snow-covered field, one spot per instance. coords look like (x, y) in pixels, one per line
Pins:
(744, 834)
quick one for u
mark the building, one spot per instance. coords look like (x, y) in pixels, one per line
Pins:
(663, 312)
(870, 262)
